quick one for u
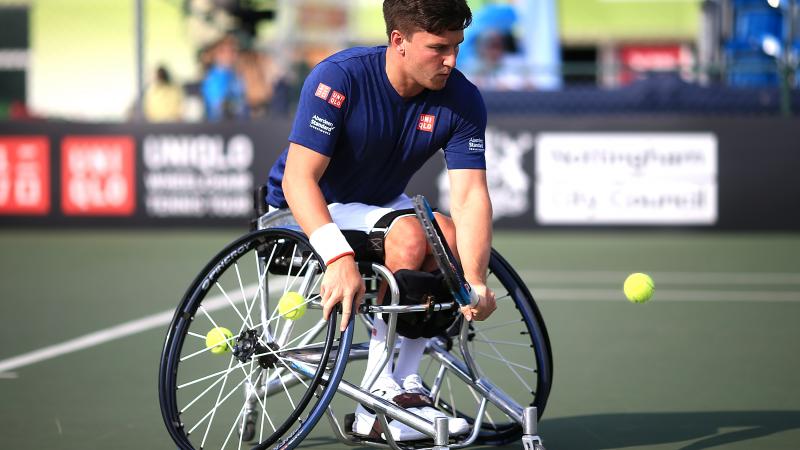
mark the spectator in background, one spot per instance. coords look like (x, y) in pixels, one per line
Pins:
(497, 64)
(264, 83)
(163, 101)
(222, 88)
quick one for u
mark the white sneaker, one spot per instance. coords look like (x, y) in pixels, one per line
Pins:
(366, 424)
(413, 384)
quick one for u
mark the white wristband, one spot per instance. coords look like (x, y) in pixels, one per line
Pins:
(330, 243)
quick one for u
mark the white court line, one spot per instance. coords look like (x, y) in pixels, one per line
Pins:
(548, 294)
(529, 276)
(693, 278)
(109, 334)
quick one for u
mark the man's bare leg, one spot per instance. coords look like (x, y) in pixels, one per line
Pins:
(412, 350)
(405, 248)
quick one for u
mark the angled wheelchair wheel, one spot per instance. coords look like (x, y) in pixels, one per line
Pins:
(511, 348)
(237, 373)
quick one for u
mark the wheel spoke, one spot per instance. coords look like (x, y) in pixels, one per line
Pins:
(296, 277)
(214, 409)
(508, 295)
(260, 290)
(299, 378)
(207, 349)
(510, 365)
(189, 405)
(233, 426)
(505, 361)
(245, 322)
(244, 297)
(264, 412)
(289, 271)
(220, 400)
(221, 373)
(501, 325)
(501, 342)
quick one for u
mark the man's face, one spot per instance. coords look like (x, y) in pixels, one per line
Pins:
(429, 58)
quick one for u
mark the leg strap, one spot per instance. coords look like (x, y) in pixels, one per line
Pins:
(377, 235)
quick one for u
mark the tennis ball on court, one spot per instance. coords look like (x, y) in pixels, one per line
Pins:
(216, 340)
(638, 287)
(292, 305)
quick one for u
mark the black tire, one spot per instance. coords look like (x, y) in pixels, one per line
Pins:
(190, 375)
(526, 375)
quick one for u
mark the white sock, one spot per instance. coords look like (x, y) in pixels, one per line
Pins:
(409, 357)
(377, 348)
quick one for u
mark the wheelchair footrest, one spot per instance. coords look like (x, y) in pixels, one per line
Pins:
(349, 420)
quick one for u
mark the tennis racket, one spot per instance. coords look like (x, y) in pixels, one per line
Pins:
(450, 267)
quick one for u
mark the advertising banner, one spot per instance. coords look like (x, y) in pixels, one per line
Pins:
(98, 176)
(198, 175)
(626, 178)
(135, 175)
(542, 172)
(24, 175)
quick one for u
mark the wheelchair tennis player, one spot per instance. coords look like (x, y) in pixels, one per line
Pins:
(367, 120)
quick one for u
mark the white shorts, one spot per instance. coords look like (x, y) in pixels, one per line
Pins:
(358, 216)
(362, 217)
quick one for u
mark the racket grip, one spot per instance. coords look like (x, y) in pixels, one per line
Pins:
(473, 298)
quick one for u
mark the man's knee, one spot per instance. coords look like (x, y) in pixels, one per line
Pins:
(448, 230)
(406, 244)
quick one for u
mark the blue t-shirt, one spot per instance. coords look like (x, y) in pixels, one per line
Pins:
(377, 140)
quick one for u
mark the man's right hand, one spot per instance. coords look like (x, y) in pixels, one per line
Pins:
(342, 283)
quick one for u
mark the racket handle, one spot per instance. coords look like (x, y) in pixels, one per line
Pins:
(473, 298)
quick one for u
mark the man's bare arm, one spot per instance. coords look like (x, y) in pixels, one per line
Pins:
(471, 209)
(342, 282)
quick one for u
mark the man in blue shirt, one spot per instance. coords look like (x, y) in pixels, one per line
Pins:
(367, 120)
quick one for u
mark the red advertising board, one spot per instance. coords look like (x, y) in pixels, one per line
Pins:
(98, 176)
(637, 59)
(24, 175)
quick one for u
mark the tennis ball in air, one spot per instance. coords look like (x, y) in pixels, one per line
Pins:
(216, 340)
(638, 287)
(292, 305)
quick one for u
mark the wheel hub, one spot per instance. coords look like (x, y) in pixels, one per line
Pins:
(248, 345)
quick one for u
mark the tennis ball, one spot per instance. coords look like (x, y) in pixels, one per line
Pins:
(638, 287)
(216, 340)
(292, 305)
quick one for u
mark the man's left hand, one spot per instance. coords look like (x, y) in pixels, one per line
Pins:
(485, 307)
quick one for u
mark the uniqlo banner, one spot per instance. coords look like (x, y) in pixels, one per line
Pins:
(98, 175)
(24, 175)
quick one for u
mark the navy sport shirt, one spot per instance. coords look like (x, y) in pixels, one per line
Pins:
(377, 140)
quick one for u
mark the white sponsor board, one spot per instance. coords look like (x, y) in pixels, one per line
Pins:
(198, 175)
(626, 178)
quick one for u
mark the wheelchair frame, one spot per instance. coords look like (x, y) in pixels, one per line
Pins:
(312, 364)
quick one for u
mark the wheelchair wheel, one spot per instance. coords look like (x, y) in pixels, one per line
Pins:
(511, 348)
(268, 379)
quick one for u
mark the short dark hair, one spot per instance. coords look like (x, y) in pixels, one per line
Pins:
(432, 16)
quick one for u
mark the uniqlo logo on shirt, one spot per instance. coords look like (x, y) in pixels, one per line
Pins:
(24, 175)
(97, 176)
(337, 98)
(426, 122)
(322, 91)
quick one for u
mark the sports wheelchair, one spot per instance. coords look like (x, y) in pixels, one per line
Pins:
(269, 380)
